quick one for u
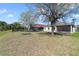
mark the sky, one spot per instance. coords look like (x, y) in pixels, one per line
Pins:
(10, 12)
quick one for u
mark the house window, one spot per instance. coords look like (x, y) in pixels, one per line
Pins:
(65, 28)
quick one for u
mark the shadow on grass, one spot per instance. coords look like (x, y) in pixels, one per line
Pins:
(62, 33)
(45, 33)
(26, 33)
(55, 33)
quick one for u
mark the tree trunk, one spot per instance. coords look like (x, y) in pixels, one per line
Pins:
(52, 32)
(29, 28)
(53, 25)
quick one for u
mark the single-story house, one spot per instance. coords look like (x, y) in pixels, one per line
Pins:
(61, 27)
(58, 27)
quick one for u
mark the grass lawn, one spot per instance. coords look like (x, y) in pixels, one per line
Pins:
(4, 32)
(76, 34)
(36, 43)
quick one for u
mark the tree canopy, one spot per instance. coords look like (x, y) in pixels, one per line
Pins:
(51, 11)
(54, 11)
(27, 18)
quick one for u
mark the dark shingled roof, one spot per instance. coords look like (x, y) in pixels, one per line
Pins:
(58, 23)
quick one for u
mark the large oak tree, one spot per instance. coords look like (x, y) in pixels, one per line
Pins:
(55, 11)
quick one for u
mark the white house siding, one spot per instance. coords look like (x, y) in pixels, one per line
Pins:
(71, 29)
(48, 29)
(55, 29)
(74, 29)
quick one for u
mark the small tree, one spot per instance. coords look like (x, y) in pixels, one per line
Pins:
(16, 26)
(26, 19)
(4, 26)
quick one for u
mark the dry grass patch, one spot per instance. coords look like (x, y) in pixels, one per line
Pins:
(33, 43)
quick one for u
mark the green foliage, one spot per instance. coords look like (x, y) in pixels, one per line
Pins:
(14, 27)
(3, 26)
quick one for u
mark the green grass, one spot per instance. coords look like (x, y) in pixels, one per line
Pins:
(4, 32)
(76, 34)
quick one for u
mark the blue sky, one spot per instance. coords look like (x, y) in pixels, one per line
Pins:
(10, 12)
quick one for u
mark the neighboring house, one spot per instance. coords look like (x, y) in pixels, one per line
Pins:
(58, 27)
(47, 29)
(38, 27)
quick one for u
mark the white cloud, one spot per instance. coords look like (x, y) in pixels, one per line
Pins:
(10, 15)
(76, 15)
(3, 11)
